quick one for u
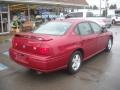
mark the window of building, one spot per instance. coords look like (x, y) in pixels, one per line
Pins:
(3, 8)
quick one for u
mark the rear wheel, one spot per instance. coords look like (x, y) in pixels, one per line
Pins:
(75, 62)
(109, 45)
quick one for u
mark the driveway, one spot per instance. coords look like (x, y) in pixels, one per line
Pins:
(98, 73)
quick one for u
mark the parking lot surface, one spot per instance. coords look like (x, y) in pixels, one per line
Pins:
(98, 73)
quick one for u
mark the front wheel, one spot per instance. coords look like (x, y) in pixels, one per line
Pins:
(75, 63)
(113, 22)
(109, 45)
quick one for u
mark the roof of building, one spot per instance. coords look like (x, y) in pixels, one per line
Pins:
(50, 2)
(83, 2)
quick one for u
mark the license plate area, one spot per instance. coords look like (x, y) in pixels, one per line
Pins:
(22, 58)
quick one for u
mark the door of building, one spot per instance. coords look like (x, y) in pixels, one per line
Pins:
(0, 23)
(3, 23)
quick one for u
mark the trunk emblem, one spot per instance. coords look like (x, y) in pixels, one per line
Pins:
(34, 48)
(16, 44)
(24, 46)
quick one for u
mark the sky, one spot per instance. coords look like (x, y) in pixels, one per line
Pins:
(97, 2)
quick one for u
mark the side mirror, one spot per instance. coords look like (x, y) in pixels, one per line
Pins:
(103, 29)
(108, 26)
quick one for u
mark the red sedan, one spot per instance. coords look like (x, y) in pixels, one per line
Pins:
(60, 44)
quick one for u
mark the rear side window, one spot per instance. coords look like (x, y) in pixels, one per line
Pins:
(96, 28)
(84, 29)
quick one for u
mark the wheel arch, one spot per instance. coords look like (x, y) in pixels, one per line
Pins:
(111, 36)
(80, 50)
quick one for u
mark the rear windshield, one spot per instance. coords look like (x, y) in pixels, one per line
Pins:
(53, 28)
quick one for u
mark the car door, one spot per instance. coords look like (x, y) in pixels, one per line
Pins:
(88, 39)
(102, 38)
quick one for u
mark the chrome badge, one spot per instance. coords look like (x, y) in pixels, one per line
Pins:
(24, 46)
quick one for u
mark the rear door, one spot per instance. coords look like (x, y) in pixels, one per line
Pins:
(88, 38)
(102, 38)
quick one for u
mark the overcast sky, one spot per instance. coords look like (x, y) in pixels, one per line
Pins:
(97, 2)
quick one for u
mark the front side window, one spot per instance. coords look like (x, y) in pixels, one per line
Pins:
(53, 28)
(96, 28)
(84, 29)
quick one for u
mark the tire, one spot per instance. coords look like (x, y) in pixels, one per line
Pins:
(109, 45)
(32, 70)
(113, 22)
(75, 63)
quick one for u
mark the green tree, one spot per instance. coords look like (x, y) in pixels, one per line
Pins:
(90, 7)
(113, 6)
(95, 7)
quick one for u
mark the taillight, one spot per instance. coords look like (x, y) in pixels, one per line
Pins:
(14, 44)
(43, 51)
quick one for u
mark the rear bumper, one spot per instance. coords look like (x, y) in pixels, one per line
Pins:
(43, 64)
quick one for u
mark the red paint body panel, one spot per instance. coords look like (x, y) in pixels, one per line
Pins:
(25, 49)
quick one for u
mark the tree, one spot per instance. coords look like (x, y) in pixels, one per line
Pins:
(113, 6)
(95, 7)
(87, 7)
(90, 7)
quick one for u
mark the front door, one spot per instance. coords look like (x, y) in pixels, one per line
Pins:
(101, 37)
(89, 41)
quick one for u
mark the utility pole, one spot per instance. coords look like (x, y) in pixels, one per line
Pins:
(100, 7)
(106, 7)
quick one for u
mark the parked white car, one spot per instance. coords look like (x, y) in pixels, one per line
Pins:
(104, 21)
(115, 19)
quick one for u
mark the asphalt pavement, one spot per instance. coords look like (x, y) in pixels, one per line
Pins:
(102, 72)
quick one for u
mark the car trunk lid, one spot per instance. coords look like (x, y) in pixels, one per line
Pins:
(29, 43)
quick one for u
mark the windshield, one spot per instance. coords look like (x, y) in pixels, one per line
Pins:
(53, 28)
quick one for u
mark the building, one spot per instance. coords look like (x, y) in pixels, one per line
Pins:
(31, 8)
